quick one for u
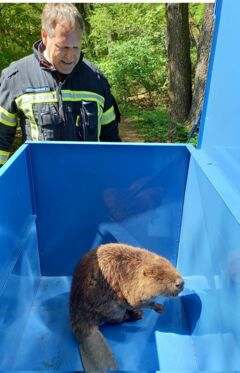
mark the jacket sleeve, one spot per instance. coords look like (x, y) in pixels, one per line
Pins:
(8, 115)
(110, 118)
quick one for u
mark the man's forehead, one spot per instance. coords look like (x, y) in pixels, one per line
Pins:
(65, 32)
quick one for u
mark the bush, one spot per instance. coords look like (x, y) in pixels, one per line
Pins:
(135, 66)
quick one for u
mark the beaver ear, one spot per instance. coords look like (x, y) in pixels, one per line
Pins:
(150, 270)
(145, 270)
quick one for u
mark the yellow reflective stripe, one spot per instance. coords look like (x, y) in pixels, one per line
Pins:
(69, 95)
(33, 125)
(100, 111)
(28, 112)
(36, 98)
(3, 156)
(9, 115)
(108, 116)
(26, 101)
(7, 118)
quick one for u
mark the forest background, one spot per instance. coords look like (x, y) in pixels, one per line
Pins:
(153, 54)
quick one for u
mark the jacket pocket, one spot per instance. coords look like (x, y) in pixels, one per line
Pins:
(87, 121)
(48, 119)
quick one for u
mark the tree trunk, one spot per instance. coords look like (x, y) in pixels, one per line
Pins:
(85, 10)
(179, 62)
(202, 65)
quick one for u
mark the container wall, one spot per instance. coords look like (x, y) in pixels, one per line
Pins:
(88, 194)
(210, 248)
(144, 195)
(66, 199)
(221, 111)
(209, 258)
(19, 264)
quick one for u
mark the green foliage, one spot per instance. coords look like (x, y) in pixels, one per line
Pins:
(119, 22)
(194, 140)
(154, 125)
(129, 46)
(196, 12)
(132, 70)
(19, 28)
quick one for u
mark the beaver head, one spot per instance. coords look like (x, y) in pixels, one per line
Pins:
(156, 278)
(162, 279)
(136, 274)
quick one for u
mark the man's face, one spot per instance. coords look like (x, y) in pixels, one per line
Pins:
(63, 49)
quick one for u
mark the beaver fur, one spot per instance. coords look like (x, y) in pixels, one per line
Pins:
(111, 284)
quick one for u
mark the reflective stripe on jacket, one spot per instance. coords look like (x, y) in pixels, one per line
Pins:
(81, 108)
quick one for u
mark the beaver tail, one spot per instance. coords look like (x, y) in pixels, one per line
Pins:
(95, 353)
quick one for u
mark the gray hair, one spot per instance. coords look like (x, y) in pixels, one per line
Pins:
(54, 13)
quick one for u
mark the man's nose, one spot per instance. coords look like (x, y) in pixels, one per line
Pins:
(69, 54)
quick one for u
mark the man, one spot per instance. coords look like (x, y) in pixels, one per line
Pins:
(54, 94)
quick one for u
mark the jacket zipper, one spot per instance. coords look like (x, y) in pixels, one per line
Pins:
(60, 103)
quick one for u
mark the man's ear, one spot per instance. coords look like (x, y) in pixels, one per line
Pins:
(44, 36)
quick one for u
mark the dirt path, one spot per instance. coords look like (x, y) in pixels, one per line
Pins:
(128, 131)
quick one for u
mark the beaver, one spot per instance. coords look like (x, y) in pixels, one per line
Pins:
(112, 283)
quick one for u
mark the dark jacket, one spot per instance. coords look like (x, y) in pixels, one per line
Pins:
(78, 107)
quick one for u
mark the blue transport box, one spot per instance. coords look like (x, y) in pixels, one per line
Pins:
(59, 200)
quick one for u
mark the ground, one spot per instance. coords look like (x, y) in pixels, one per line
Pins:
(128, 131)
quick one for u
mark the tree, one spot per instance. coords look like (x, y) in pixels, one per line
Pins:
(204, 45)
(86, 10)
(19, 29)
(130, 48)
(179, 61)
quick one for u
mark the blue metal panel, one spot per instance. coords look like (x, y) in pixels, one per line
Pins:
(106, 198)
(209, 257)
(202, 324)
(87, 194)
(47, 342)
(19, 261)
(15, 206)
(220, 120)
(16, 296)
(176, 352)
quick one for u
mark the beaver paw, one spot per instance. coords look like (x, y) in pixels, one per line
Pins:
(159, 308)
(132, 315)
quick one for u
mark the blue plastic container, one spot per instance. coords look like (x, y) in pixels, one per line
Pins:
(59, 200)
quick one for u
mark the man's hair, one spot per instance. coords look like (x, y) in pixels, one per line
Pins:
(63, 13)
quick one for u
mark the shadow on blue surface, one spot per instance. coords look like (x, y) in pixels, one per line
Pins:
(193, 306)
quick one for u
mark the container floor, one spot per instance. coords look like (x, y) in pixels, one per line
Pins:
(157, 342)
